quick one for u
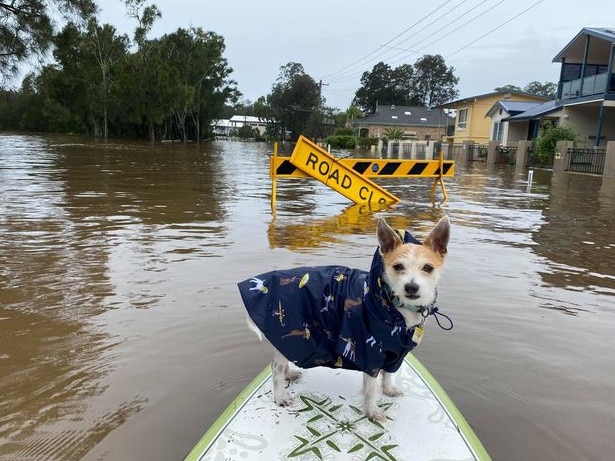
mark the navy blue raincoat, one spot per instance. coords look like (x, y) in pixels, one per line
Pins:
(330, 316)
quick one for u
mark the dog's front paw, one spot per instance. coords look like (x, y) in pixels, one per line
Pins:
(284, 400)
(376, 415)
(392, 391)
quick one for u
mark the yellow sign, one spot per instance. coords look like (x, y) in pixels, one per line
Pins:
(375, 168)
(321, 165)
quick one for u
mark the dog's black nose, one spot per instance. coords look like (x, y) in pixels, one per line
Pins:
(411, 288)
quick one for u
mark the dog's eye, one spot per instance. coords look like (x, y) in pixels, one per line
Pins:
(428, 268)
(399, 267)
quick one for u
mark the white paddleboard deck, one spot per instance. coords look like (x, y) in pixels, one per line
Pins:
(327, 422)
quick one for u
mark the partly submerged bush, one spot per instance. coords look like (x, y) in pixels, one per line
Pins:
(342, 142)
(544, 144)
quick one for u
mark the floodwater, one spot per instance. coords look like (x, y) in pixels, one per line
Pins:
(122, 336)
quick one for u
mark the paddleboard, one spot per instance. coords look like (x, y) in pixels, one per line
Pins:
(327, 422)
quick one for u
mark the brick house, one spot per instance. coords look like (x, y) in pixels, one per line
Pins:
(420, 123)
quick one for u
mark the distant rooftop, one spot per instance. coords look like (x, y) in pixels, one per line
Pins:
(404, 116)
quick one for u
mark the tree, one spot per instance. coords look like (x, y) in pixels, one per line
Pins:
(27, 28)
(385, 86)
(547, 89)
(201, 83)
(295, 100)
(434, 82)
(508, 88)
(351, 113)
(428, 82)
(393, 134)
(149, 78)
(90, 62)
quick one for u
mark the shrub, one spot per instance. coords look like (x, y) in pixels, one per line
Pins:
(343, 132)
(366, 143)
(544, 144)
(342, 142)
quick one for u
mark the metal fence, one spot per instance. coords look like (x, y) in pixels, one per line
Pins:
(477, 152)
(586, 160)
(506, 155)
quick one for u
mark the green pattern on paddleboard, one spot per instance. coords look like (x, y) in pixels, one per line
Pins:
(346, 424)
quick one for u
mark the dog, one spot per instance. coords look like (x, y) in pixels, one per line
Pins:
(340, 317)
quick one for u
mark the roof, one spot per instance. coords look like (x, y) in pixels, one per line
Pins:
(536, 111)
(512, 107)
(576, 46)
(404, 116)
(509, 93)
(246, 119)
(223, 122)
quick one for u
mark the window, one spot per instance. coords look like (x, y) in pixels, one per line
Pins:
(498, 131)
(462, 119)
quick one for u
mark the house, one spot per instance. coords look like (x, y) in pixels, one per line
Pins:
(586, 90)
(237, 121)
(499, 115)
(470, 121)
(221, 127)
(420, 123)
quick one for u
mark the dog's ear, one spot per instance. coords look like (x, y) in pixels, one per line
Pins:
(437, 239)
(387, 237)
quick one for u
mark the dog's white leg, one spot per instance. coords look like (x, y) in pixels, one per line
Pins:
(290, 374)
(388, 388)
(370, 406)
(279, 369)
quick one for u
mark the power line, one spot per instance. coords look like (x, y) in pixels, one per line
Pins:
(495, 28)
(447, 35)
(343, 69)
(351, 75)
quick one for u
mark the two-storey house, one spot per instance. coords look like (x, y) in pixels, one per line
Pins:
(586, 91)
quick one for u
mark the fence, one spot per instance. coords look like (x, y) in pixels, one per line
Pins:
(477, 152)
(535, 161)
(586, 160)
(506, 155)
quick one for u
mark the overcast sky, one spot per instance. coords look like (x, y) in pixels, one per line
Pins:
(490, 43)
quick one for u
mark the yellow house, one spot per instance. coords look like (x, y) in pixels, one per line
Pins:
(471, 121)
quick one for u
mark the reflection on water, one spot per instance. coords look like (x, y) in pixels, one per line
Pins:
(120, 320)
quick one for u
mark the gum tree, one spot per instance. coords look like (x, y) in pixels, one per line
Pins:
(27, 28)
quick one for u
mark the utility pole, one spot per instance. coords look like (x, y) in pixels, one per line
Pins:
(318, 111)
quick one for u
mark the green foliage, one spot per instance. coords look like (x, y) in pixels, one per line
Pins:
(386, 86)
(343, 132)
(393, 134)
(169, 88)
(429, 82)
(26, 28)
(246, 132)
(366, 143)
(342, 142)
(294, 102)
(546, 89)
(544, 144)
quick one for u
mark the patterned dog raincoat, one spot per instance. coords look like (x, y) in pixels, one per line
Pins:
(330, 316)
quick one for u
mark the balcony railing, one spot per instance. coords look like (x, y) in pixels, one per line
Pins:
(596, 84)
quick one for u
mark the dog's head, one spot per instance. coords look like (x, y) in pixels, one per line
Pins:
(412, 271)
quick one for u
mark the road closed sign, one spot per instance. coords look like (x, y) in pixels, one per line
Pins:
(321, 165)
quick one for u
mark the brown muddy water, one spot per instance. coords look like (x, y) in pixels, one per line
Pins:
(122, 336)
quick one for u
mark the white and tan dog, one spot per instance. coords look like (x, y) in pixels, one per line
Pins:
(348, 318)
